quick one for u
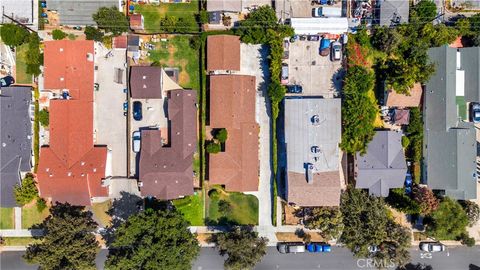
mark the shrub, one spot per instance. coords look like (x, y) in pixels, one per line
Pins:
(473, 211)
(13, 35)
(426, 199)
(213, 148)
(27, 191)
(449, 221)
(195, 42)
(41, 204)
(44, 117)
(213, 194)
(405, 142)
(466, 240)
(111, 20)
(221, 135)
(92, 33)
(58, 34)
(224, 206)
(400, 201)
(203, 17)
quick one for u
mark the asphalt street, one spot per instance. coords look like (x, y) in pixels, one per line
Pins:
(461, 258)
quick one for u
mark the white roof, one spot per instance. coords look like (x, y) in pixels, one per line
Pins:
(312, 26)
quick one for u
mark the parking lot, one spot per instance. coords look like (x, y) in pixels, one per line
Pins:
(109, 123)
(318, 75)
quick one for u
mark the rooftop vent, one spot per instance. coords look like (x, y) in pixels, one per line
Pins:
(144, 77)
(315, 149)
(315, 120)
(309, 173)
(61, 49)
(69, 174)
(140, 184)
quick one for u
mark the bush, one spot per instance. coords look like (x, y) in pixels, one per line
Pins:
(426, 199)
(203, 17)
(405, 142)
(467, 240)
(224, 206)
(195, 42)
(400, 201)
(473, 211)
(58, 34)
(34, 57)
(221, 135)
(44, 117)
(111, 20)
(213, 194)
(448, 222)
(41, 204)
(13, 35)
(92, 33)
(213, 148)
(27, 191)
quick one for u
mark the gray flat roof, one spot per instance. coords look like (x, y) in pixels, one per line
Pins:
(20, 10)
(79, 12)
(391, 10)
(16, 136)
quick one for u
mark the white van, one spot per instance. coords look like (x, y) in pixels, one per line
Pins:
(327, 12)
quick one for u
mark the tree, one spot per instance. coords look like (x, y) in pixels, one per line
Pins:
(34, 57)
(203, 17)
(213, 148)
(400, 201)
(472, 210)
(224, 206)
(415, 133)
(463, 26)
(425, 199)
(448, 222)
(195, 42)
(92, 33)
(423, 12)
(44, 118)
(221, 135)
(395, 247)
(326, 219)
(58, 34)
(68, 241)
(243, 247)
(27, 191)
(13, 35)
(111, 20)
(153, 239)
(386, 39)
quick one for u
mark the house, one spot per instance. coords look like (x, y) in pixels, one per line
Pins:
(79, 12)
(166, 169)
(391, 12)
(16, 136)
(119, 42)
(383, 166)
(136, 22)
(20, 10)
(71, 168)
(232, 106)
(312, 135)
(450, 146)
(225, 6)
(145, 82)
(215, 17)
(314, 26)
(223, 53)
(413, 99)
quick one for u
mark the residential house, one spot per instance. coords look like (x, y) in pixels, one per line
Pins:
(413, 99)
(166, 168)
(71, 168)
(145, 82)
(312, 129)
(223, 53)
(16, 136)
(391, 12)
(383, 166)
(450, 146)
(136, 22)
(225, 6)
(232, 106)
(79, 12)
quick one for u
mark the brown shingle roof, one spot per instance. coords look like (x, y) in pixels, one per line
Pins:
(399, 100)
(232, 106)
(223, 52)
(145, 82)
(224, 5)
(136, 21)
(166, 172)
(324, 189)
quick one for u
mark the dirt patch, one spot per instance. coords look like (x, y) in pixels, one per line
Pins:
(289, 214)
(400, 218)
(292, 237)
(171, 52)
(204, 238)
(183, 77)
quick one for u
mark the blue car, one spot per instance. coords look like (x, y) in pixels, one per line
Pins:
(318, 247)
(125, 106)
(311, 247)
(408, 183)
(137, 110)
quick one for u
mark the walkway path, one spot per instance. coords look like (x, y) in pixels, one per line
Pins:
(18, 218)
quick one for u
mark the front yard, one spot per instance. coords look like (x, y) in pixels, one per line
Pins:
(31, 215)
(21, 65)
(152, 14)
(6, 218)
(232, 208)
(192, 208)
(99, 211)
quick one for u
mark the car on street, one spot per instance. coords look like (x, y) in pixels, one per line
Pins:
(7, 81)
(136, 141)
(408, 183)
(432, 246)
(325, 47)
(336, 54)
(137, 110)
(294, 89)
(291, 247)
(475, 112)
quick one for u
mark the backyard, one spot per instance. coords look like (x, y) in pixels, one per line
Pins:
(153, 13)
(21, 66)
(176, 52)
(192, 208)
(230, 208)
(6, 218)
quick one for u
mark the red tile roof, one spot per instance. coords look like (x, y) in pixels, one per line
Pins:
(136, 21)
(232, 106)
(119, 42)
(223, 52)
(69, 65)
(71, 169)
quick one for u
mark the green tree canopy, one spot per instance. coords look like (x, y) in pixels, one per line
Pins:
(153, 239)
(68, 242)
(13, 35)
(423, 12)
(472, 210)
(34, 57)
(58, 34)
(449, 221)
(27, 191)
(243, 247)
(213, 148)
(92, 33)
(111, 20)
(326, 219)
(44, 117)
(222, 135)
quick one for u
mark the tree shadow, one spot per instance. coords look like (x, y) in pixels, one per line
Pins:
(473, 267)
(418, 266)
(222, 224)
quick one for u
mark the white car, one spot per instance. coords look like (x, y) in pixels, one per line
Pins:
(432, 246)
(336, 51)
(136, 141)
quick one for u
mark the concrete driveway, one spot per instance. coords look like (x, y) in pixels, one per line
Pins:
(110, 124)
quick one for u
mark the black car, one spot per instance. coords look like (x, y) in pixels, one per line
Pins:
(137, 110)
(6, 81)
(294, 89)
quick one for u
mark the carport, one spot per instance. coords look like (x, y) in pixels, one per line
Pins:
(313, 26)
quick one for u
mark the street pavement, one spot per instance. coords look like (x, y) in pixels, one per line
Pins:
(455, 258)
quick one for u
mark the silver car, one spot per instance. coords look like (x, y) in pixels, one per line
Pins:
(136, 141)
(432, 246)
(292, 247)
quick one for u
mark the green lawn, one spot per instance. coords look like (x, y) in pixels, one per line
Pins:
(21, 66)
(99, 210)
(6, 218)
(192, 208)
(243, 209)
(31, 216)
(176, 52)
(18, 241)
(153, 13)
(462, 107)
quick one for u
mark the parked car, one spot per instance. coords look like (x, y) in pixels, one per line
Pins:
(294, 89)
(373, 249)
(325, 46)
(284, 80)
(432, 246)
(7, 81)
(313, 38)
(136, 141)
(125, 106)
(137, 110)
(408, 183)
(315, 247)
(475, 112)
(291, 247)
(327, 12)
(336, 51)
(77, 28)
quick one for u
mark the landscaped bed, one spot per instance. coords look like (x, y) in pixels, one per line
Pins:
(31, 215)
(100, 210)
(192, 208)
(21, 66)
(240, 209)
(6, 218)
(176, 52)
